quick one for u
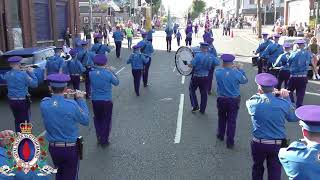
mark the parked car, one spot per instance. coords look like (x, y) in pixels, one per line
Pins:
(34, 57)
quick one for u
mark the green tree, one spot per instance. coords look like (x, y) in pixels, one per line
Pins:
(198, 7)
(155, 5)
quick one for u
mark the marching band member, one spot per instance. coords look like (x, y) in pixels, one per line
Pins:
(102, 79)
(18, 82)
(147, 49)
(169, 33)
(137, 61)
(201, 64)
(272, 52)
(178, 36)
(75, 69)
(261, 48)
(55, 63)
(86, 58)
(213, 51)
(268, 114)
(228, 88)
(118, 38)
(299, 62)
(98, 47)
(61, 118)
(282, 62)
(302, 160)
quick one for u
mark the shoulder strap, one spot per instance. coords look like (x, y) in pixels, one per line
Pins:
(98, 49)
(84, 55)
(275, 50)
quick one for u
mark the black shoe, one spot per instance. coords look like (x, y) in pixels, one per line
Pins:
(195, 109)
(230, 146)
(220, 138)
(202, 112)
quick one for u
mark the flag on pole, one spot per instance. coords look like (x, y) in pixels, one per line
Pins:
(207, 24)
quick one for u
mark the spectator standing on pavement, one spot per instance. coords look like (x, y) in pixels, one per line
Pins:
(291, 30)
(317, 33)
(196, 29)
(67, 37)
(118, 38)
(105, 34)
(300, 30)
(129, 34)
(254, 26)
(314, 49)
(268, 115)
(226, 28)
(87, 33)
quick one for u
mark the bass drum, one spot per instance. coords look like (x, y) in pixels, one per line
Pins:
(183, 57)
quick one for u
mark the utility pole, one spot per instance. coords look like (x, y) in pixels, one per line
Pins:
(275, 10)
(90, 5)
(259, 18)
(317, 15)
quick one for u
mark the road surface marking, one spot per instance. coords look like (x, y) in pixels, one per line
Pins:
(42, 134)
(183, 79)
(311, 93)
(249, 40)
(120, 70)
(179, 120)
(166, 99)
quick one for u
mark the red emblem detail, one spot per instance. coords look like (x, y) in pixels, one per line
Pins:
(26, 150)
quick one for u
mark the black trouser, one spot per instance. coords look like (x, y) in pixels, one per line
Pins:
(118, 48)
(188, 41)
(178, 41)
(262, 63)
(169, 39)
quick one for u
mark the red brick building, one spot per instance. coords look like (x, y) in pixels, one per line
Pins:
(29, 23)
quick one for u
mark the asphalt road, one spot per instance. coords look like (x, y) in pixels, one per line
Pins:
(150, 141)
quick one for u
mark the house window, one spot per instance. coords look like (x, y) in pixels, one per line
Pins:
(251, 1)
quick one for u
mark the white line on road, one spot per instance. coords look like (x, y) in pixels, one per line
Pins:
(311, 93)
(179, 120)
(120, 70)
(249, 40)
(183, 79)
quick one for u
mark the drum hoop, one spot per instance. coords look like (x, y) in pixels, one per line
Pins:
(175, 59)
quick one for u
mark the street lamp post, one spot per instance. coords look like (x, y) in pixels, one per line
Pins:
(259, 18)
(90, 5)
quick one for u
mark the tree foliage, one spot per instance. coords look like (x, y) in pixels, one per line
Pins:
(198, 7)
(156, 4)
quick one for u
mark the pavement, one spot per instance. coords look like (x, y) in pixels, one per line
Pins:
(155, 136)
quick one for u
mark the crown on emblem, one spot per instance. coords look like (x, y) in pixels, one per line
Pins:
(26, 127)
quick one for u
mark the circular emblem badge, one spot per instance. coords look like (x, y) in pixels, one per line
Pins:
(26, 151)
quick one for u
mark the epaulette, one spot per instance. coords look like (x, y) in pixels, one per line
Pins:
(256, 96)
(46, 98)
(296, 145)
